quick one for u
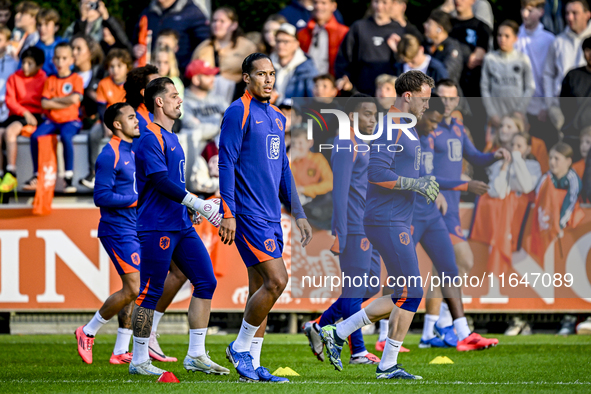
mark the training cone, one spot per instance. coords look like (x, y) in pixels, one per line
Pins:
(441, 360)
(168, 377)
(285, 372)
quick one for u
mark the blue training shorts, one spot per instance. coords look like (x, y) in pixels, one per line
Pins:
(185, 247)
(258, 240)
(124, 252)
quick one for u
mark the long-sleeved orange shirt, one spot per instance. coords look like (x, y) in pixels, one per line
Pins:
(313, 173)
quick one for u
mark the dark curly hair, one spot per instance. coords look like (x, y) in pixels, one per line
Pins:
(137, 79)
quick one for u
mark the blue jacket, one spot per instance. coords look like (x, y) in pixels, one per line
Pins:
(301, 83)
(184, 17)
(297, 15)
(435, 70)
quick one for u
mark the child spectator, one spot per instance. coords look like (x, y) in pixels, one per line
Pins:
(584, 147)
(291, 118)
(556, 204)
(521, 174)
(88, 64)
(313, 178)
(8, 65)
(23, 99)
(62, 94)
(413, 55)
(270, 27)
(109, 91)
(385, 91)
(226, 48)
(443, 47)
(312, 173)
(25, 32)
(511, 125)
(165, 60)
(507, 81)
(324, 88)
(48, 21)
(534, 41)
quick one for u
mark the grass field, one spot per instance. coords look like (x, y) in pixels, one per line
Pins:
(540, 363)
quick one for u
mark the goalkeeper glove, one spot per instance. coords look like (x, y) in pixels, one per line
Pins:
(425, 186)
(209, 209)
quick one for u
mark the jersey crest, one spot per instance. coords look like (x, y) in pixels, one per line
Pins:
(270, 245)
(454, 149)
(404, 238)
(164, 243)
(364, 244)
(273, 146)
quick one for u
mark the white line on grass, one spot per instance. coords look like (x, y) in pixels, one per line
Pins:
(420, 382)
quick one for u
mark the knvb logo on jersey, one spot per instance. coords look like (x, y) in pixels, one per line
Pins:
(345, 128)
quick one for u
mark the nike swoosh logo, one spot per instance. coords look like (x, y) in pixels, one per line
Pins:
(199, 333)
(173, 148)
(142, 343)
(259, 121)
(126, 163)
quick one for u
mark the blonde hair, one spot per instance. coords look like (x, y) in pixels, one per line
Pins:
(386, 78)
(174, 66)
(520, 130)
(409, 46)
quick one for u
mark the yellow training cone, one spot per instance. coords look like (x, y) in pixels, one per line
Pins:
(285, 372)
(441, 360)
(279, 371)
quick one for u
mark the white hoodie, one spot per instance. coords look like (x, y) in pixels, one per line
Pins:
(563, 55)
(535, 45)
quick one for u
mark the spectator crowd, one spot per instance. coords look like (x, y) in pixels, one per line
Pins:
(62, 84)
(521, 85)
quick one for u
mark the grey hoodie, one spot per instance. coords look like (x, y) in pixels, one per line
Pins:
(507, 82)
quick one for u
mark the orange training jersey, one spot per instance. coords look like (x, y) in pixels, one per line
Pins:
(63, 87)
(109, 93)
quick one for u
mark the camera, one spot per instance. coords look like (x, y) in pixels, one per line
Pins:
(93, 5)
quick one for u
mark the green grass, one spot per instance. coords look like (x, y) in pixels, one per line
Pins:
(540, 363)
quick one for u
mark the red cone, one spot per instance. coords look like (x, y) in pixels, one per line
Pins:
(168, 377)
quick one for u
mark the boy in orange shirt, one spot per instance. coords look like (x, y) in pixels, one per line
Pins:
(311, 171)
(110, 90)
(23, 99)
(62, 94)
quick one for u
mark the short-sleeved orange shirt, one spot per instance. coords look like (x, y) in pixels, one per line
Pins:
(63, 87)
(109, 93)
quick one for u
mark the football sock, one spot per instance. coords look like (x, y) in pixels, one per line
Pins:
(157, 317)
(445, 319)
(11, 168)
(245, 336)
(122, 342)
(383, 330)
(352, 324)
(140, 350)
(390, 355)
(462, 329)
(255, 351)
(69, 174)
(197, 342)
(359, 354)
(94, 325)
(428, 326)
